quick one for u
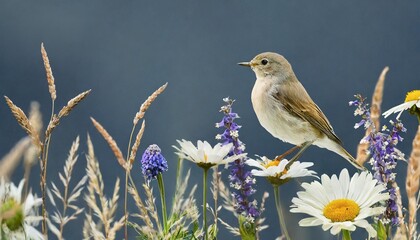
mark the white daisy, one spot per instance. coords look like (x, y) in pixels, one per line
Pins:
(21, 224)
(341, 203)
(412, 98)
(276, 171)
(204, 155)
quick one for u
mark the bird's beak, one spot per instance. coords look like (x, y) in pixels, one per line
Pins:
(245, 64)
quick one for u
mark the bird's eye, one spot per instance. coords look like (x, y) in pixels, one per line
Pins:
(264, 61)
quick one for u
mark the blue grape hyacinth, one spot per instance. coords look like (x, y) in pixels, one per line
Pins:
(153, 162)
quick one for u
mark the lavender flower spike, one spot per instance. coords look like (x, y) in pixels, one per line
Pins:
(384, 155)
(153, 162)
(240, 178)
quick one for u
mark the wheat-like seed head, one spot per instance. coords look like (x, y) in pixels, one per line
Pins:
(48, 70)
(136, 144)
(111, 142)
(55, 120)
(147, 103)
(375, 113)
(413, 181)
(24, 122)
(73, 103)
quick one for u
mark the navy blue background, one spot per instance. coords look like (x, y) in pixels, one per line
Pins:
(124, 50)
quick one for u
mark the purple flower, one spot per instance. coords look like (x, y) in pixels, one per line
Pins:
(240, 178)
(153, 162)
(384, 155)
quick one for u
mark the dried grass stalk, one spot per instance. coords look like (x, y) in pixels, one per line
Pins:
(147, 103)
(67, 197)
(35, 116)
(50, 77)
(11, 160)
(55, 120)
(151, 206)
(73, 103)
(30, 157)
(412, 183)
(401, 232)
(101, 208)
(111, 142)
(375, 113)
(375, 110)
(148, 229)
(24, 122)
(136, 144)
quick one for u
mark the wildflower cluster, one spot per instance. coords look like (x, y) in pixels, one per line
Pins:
(240, 179)
(384, 155)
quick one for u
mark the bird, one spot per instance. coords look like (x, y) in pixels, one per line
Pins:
(285, 109)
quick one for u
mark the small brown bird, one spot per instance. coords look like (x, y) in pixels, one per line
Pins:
(285, 109)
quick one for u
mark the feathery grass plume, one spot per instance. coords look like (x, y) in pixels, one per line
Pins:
(229, 203)
(67, 197)
(55, 120)
(31, 154)
(73, 103)
(24, 122)
(146, 104)
(136, 144)
(93, 166)
(412, 184)
(111, 142)
(11, 160)
(35, 116)
(148, 228)
(260, 221)
(48, 70)
(184, 213)
(103, 208)
(151, 206)
(375, 114)
(401, 232)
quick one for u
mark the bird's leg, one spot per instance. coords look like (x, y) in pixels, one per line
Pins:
(280, 157)
(303, 147)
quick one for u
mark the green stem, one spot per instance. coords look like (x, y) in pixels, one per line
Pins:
(127, 173)
(163, 202)
(280, 212)
(346, 234)
(205, 203)
(125, 205)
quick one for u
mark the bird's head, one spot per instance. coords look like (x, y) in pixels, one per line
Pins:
(269, 64)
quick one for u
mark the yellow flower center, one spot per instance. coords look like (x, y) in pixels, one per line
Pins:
(412, 96)
(272, 163)
(341, 210)
(13, 214)
(275, 163)
(205, 157)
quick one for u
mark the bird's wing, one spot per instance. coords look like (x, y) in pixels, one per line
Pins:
(297, 102)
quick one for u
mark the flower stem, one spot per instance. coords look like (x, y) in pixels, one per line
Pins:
(280, 212)
(163, 202)
(205, 203)
(346, 234)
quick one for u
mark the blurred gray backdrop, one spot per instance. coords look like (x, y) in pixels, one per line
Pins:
(124, 50)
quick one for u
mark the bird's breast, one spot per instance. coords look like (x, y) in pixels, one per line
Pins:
(275, 119)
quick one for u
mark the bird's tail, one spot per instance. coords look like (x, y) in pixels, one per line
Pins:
(342, 152)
